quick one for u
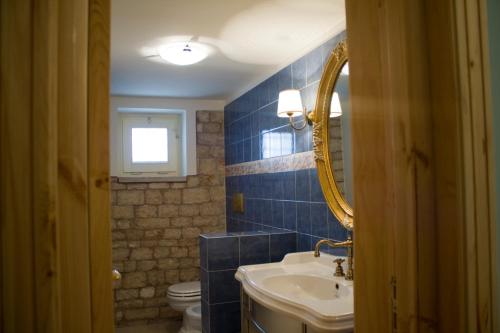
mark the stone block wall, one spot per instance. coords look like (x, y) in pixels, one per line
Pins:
(156, 227)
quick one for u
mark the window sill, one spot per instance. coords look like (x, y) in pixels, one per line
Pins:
(174, 179)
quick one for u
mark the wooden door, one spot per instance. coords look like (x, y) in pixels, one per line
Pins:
(54, 197)
(422, 166)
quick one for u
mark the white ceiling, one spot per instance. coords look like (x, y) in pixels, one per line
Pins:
(250, 39)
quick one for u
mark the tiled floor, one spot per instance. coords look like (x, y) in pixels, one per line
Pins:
(168, 327)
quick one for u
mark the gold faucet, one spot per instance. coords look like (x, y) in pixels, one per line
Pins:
(347, 244)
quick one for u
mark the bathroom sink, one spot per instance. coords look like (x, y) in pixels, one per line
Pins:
(303, 287)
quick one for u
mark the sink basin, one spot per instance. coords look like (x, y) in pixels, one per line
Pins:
(303, 287)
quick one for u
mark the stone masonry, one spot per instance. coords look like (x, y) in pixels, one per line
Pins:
(156, 228)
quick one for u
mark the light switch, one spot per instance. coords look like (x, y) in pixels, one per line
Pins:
(238, 206)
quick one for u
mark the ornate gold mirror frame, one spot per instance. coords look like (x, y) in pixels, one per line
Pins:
(333, 196)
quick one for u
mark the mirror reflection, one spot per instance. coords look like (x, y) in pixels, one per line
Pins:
(340, 144)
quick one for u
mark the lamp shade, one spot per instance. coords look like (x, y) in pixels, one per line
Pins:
(289, 103)
(335, 109)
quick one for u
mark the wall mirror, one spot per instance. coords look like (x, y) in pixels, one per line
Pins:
(332, 136)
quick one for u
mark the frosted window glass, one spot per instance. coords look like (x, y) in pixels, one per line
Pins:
(149, 145)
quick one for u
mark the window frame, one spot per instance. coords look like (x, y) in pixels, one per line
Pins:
(172, 122)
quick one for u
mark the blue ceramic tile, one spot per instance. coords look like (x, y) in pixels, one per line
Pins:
(253, 100)
(240, 152)
(232, 225)
(264, 141)
(236, 131)
(336, 231)
(276, 179)
(277, 207)
(314, 65)
(273, 87)
(249, 210)
(267, 118)
(303, 243)
(316, 191)
(282, 244)
(319, 223)
(204, 281)
(285, 78)
(256, 148)
(229, 211)
(257, 217)
(246, 127)
(222, 253)
(254, 249)
(302, 185)
(203, 252)
(263, 94)
(299, 73)
(289, 185)
(267, 185)
(267, 212)
(287, 140)
(225, 318)
(304, 217)
(223, 287)
(255, 123)
(247, 150)
(302, 141)
(290, 215)
(205, 317)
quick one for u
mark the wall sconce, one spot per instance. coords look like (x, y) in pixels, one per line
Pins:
(290, 105)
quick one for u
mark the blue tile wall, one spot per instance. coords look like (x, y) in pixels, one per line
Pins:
(220, 256)
(252, 129)
(284, 211)
(284, 201)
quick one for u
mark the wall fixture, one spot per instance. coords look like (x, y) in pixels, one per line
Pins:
(183, 54)
(290, 105)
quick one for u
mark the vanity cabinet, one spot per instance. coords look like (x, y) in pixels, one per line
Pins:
(256, 318)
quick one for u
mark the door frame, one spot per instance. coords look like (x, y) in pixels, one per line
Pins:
(54, 171)
(409, 60)
(423, 166)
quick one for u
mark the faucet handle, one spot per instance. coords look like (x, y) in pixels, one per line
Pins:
(339, 271)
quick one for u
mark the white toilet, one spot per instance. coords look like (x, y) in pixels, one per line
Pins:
(186, 298)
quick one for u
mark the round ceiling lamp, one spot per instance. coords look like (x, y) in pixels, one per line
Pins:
(183, 54)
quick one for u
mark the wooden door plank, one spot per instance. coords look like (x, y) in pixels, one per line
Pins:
(16, 148)
(99, 195)
(72, 166)
(45, 166)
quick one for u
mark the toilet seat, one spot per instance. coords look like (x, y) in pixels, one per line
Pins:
(185, 289)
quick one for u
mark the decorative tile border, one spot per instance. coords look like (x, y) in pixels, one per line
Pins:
(291, 162)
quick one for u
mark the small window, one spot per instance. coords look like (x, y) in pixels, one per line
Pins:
(150, 144)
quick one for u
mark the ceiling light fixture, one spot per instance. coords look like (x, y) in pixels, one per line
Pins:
(183, 54)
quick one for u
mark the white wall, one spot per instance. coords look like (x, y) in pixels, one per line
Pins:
(186, 107)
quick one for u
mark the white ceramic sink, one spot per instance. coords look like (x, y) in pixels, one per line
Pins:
(303, 287)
